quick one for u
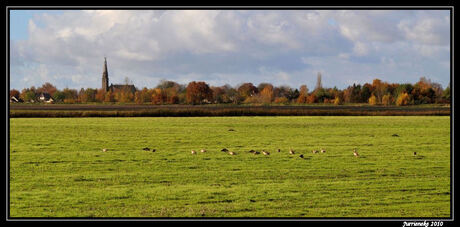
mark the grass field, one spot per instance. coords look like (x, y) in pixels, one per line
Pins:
(57, 168)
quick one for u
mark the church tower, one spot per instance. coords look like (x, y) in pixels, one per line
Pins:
(105, 77)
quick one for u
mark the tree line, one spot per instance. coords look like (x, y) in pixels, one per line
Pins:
(198, 92)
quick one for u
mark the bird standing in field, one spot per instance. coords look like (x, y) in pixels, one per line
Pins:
(105, 150)
(203, 150)
(279, 150)
(231, 153)
(153, 150)
(265, 153)
(355, 153)
(323, 151)
(415, 153)
(291, 151)
(252, 151)
(256, 153)
(146, 149)
(193, 152)
(301, 156)
(314, 151)
(224, 150)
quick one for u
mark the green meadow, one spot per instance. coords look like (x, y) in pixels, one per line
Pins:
(57, 167)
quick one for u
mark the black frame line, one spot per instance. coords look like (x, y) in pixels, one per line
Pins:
(306, 219)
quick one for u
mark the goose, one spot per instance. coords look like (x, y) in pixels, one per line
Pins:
(105, 150)
(193, 152)
(279, 150)
(252, 151)
(355, 153)
(314, 151)
(323, 151)
(232, 153)
(203, 150)
(153, 150)
(256, 153)
(415, 153)
(146, 149)
(291, 151)
(224, 150)
(265, 153)
(301, 156)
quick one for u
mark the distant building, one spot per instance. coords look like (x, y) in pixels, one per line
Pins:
(45, 97)
(16, 100)
(114, 87)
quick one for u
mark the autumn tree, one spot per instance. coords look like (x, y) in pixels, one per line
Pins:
(303, 94)
(282, 100)
(218, 94)
(198, 92)
(109, 97)
(403, 99)
(322, 94)
(87, 95)
(337, 101)
(380, 89)
(386, 100)
(247, 90)
(100, 95)
(47, 88)
(311, 98)
(70, 95)
(266, 95)
(138, 98)
(14, 93)
(28, 94)
(373, 100)
(159, 96)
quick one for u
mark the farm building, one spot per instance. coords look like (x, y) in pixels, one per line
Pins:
(15, 100)
(45, 97)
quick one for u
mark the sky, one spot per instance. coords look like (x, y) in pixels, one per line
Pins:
(281, 47)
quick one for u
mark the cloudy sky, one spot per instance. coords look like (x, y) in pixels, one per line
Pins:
(282, 47)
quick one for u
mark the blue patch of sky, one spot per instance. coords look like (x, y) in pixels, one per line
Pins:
(19, 21)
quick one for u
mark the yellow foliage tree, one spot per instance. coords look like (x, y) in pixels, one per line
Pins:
(386, 100)
(403, 99)
(337, 101)
(373, 100)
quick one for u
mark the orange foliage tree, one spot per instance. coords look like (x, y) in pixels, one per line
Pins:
(198, 92)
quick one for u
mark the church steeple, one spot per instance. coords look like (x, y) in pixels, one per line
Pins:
(105, 77)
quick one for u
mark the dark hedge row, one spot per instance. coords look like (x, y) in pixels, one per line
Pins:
(253, 111)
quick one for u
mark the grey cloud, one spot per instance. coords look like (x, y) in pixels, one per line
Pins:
(230, 46)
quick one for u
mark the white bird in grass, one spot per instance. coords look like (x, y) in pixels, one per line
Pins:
(355, 153)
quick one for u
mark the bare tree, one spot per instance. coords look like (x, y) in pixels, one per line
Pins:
(319, 85)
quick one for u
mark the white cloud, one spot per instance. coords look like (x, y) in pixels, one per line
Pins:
(426, 29)
(228, 46)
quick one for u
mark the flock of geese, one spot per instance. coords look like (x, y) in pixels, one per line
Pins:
(292, 152)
